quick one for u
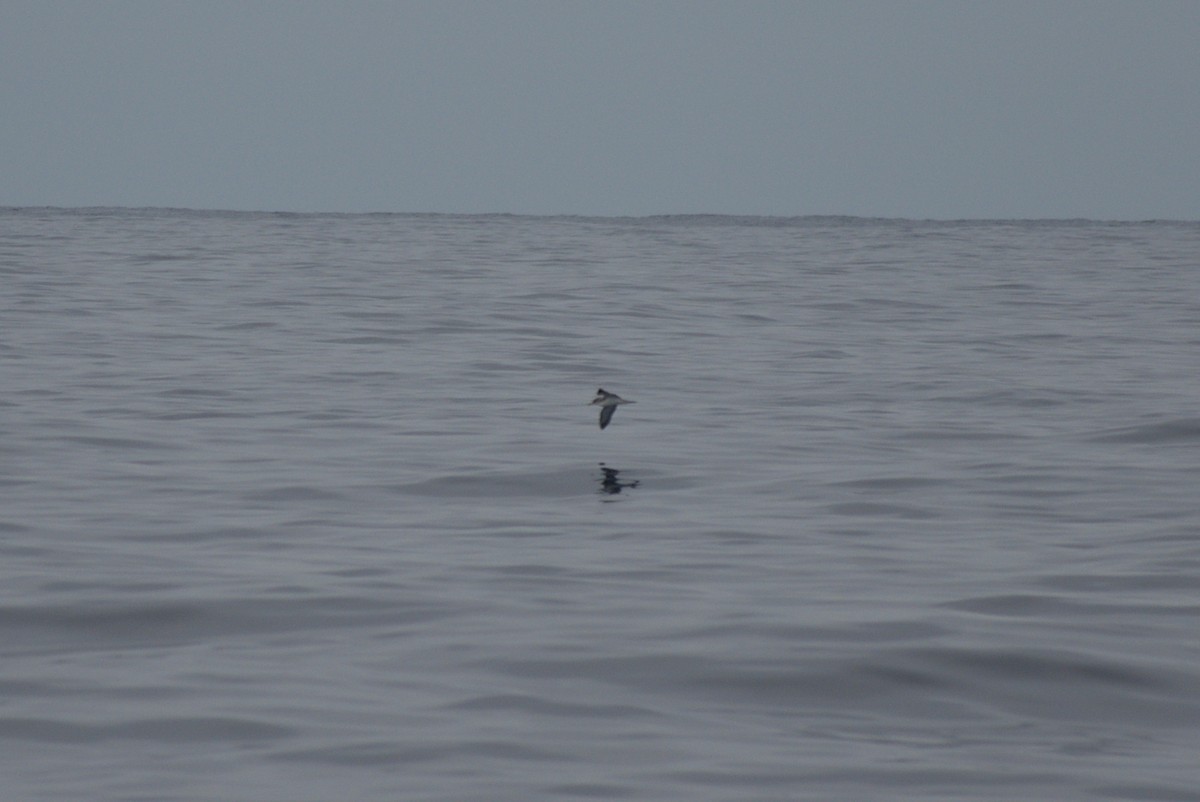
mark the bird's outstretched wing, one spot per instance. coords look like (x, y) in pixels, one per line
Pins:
(606, 414)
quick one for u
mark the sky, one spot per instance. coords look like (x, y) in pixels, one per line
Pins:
(946, 109)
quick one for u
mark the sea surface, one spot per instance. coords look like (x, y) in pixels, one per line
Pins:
(313, 507)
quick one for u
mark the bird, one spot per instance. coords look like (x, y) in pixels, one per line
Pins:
(608, 405)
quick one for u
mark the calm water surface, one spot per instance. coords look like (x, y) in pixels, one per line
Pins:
(313, 507)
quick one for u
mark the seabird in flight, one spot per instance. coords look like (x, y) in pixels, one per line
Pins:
(608, 405)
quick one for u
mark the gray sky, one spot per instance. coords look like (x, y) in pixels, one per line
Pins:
(1014, 108)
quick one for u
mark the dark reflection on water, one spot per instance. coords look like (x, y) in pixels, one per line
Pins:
(610, 484)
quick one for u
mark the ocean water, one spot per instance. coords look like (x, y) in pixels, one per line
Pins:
(313, 507)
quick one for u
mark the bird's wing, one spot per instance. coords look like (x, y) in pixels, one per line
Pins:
(606, 414)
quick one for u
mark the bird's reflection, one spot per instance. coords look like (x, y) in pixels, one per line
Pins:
(610, 484)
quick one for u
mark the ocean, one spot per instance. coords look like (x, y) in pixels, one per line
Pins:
(311, 507)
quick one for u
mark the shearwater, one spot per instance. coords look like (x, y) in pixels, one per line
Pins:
(608, 405)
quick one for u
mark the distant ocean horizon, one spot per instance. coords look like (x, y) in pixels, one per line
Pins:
(698, 216)
(309, 505)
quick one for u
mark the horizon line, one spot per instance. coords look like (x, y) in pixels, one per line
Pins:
(579, 216)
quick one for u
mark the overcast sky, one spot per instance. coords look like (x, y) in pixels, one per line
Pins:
(1012, 108)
